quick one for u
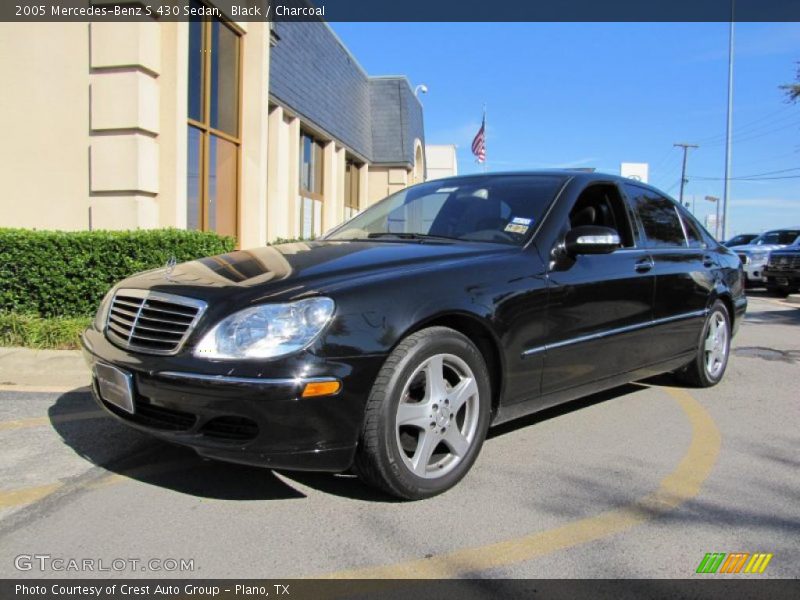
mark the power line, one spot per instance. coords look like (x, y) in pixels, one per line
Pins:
(751, 127)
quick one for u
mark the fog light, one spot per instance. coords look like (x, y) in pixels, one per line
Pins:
(321, 388)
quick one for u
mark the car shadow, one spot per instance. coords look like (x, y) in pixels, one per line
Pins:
(105, 442)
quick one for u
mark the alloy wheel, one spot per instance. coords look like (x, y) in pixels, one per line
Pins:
(437, 416)
(716, 345)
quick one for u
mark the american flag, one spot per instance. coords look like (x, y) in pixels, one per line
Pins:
(479, 143)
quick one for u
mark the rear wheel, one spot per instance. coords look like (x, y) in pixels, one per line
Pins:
(714, 345)
(427, 415)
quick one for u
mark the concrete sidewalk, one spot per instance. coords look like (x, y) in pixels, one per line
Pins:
(42, 369)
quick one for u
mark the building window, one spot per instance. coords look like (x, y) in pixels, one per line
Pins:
(351, 189)
(309, 208)
(214, 98)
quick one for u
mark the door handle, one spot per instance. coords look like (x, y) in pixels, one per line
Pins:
(708, 261)
(644, 265)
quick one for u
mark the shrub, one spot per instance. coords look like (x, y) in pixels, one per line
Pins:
(32, 331)
(58, 273)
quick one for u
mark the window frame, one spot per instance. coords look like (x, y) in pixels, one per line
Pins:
(204, 125)
(647, 243)
(352, 188)
(319, 174)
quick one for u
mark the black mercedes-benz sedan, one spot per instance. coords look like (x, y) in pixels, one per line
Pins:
(393, 343)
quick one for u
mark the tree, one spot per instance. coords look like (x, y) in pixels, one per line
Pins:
(793, 89)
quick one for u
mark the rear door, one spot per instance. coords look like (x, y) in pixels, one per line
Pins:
(683, 267)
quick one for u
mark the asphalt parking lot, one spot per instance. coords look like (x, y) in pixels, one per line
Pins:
(641, 481)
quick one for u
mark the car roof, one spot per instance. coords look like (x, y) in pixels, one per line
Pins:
(574, 174)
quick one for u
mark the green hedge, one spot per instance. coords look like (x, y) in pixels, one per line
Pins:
(57, 273)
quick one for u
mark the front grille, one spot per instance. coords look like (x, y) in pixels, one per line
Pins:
(779, 262)
(156, 417)
(744, 258)
(152, 322)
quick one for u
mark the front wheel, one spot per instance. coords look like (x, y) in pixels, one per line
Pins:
(714, 346)
(427, 415)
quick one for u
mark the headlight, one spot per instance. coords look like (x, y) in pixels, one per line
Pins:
(102, 312)
(759, 259)
(268, 330)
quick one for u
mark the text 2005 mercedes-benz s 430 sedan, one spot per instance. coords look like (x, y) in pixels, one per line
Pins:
(391, 345)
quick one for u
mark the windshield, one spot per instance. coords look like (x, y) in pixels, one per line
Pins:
(740, 240)
(501, 209)
(784, 237)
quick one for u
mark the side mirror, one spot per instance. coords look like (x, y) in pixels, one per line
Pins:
(591, 239)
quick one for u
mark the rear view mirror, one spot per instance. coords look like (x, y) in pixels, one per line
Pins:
(591, 239)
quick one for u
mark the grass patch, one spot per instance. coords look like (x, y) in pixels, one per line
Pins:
(33, 331)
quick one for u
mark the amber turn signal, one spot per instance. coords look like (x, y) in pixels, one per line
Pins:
(321, 388)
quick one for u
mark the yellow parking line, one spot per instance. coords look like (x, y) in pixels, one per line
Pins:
(27, 495)
(680, 485)
(43, 389)
(30, 495)
(39, 421)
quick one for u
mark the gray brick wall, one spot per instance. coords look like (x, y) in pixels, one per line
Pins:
(312, 74)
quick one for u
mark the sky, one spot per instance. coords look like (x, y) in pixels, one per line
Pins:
(598, 94)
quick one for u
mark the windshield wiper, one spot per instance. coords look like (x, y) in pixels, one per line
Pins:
(409, 236)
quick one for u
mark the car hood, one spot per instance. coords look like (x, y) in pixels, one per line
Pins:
(787, 250)
(304, 265)
(757, 248)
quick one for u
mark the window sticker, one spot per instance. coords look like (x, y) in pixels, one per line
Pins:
(446, 190)
(516, 228)
(521, 221)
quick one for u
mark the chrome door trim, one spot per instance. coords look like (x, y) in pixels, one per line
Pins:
(616, 331)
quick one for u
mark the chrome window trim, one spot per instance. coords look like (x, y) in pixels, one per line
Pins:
(164, 297)
(616, 331)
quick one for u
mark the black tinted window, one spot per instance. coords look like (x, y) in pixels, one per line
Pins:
(659, 216)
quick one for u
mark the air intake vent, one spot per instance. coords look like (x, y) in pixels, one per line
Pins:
(152, 322)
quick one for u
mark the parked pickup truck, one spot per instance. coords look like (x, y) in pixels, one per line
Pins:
(782, 271)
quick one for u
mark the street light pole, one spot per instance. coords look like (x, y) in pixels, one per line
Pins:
(728, 131)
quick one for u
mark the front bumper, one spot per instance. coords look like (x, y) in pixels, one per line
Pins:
(777, 277)
(244, 413)
(755, 273)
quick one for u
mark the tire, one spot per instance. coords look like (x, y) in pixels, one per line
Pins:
(414, 444)
(715, 340)
(777, 290)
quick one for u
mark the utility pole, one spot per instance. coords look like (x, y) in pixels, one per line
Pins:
(683, 170)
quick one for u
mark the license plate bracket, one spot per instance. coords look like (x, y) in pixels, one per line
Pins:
(115, 386)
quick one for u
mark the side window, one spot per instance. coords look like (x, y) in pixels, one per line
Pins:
(601, 204)
(659, 217)
(693, 235)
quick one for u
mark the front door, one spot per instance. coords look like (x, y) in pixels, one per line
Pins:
(599, 306)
